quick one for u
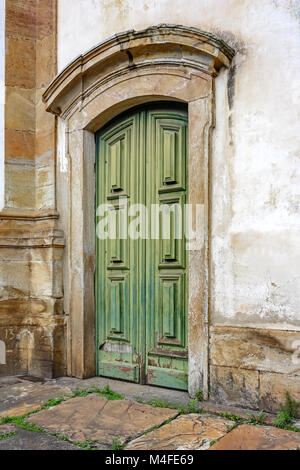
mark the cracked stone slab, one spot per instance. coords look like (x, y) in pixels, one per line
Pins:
(96, 418)
(21, 398)
(29, 440)
(187, 432)
(249, 437)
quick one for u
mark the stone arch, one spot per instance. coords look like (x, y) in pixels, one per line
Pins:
(166, 62)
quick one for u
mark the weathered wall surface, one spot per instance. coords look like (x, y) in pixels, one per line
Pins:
(31, 315)
(255, 222)
(255, 165)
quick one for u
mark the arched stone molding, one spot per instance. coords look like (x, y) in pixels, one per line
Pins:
(168, 63)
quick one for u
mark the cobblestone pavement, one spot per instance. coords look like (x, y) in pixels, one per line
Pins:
(100, 413)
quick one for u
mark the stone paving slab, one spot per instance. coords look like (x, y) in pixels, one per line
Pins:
(96, 418)
(22, 397)
(28, 440)
(187, 432)
(247, 437)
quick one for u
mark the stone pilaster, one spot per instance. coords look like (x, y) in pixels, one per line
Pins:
(32, 320)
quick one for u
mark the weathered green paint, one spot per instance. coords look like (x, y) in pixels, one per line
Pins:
(167, 378)
(119, 370)
(141, 285)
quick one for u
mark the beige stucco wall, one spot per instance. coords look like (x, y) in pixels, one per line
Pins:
(255, 198)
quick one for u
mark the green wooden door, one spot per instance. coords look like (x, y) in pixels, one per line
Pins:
(141, 278)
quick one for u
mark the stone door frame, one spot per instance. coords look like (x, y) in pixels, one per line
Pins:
(163, 63)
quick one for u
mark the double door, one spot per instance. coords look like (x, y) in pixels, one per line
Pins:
(141, 262)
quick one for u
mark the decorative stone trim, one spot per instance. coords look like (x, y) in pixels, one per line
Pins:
(172, 45)
(21, 214)
(33, 241)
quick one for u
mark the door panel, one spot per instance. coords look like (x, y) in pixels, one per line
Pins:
(166, 361)
(141, 285)
(117, 273)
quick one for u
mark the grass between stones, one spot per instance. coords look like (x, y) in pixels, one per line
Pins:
(287, 414)
(284, 420)
(167, 421)
(7, 435)
(21, 423)
(116, 444)
(192, 405)
(253, 419)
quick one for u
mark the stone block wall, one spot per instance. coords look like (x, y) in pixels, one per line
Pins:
(253, 367)
(29, 130)
(32, 321)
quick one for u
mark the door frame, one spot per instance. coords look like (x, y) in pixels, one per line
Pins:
(181, 64)
(82, 268)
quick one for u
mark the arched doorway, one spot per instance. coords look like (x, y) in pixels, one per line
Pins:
(162, 63)
(141, 262)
